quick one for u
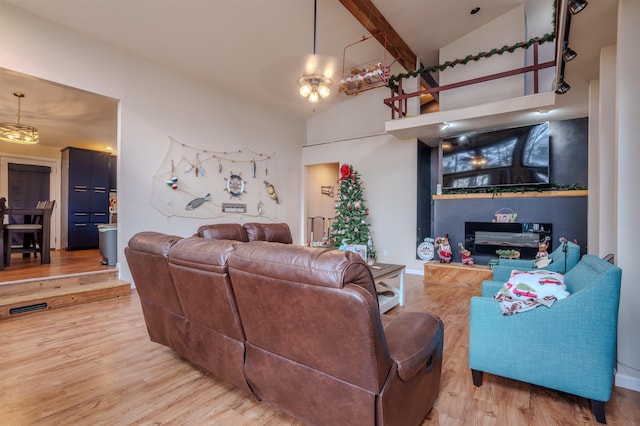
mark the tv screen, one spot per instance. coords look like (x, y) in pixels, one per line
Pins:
(516, 156)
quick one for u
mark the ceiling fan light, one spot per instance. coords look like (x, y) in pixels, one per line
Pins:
(569, 54)
(324, 91)
(576, 6)
(313, 97)
(305, 90)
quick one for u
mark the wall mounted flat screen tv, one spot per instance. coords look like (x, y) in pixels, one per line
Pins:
(515, 156)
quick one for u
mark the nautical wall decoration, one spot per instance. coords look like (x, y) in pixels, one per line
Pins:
(194, 204)
(180, 182)
(235, 185)
(271, 190)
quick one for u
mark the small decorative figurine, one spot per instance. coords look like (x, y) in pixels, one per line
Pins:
(542, 248)
(444, 249)
(466, 255)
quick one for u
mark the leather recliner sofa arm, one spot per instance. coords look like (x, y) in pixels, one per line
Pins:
(415, 342)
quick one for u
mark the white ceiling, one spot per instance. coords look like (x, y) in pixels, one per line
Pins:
(229, 43)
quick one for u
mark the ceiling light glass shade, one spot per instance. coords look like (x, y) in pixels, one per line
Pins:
(563, 87)
(313, 97)
(305, 90)
(19, 133)
(576, 6)
(324, 91)
(569, 54)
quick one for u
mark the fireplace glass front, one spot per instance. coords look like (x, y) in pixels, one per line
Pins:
(487, 237)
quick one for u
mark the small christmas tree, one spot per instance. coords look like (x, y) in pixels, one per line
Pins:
(350, 225)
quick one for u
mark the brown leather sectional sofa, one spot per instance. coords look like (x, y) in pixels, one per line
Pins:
(297, 327)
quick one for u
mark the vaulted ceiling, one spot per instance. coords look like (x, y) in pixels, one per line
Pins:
(257, 48)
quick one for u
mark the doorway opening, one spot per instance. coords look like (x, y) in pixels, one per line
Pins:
(321, 191)
(65, 117)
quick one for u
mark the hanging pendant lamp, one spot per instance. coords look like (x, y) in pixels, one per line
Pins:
(17, 132)
(315, 83)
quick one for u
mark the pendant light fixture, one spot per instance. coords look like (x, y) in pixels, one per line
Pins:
(314, 83)
(17, 132)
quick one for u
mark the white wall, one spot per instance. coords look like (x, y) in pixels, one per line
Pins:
(593, 201)
(628, 202)
(504, 30)
(155, 104)
(606, 184)
(387, 165)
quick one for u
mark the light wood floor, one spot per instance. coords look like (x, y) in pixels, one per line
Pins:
(62, 263)
(93, 364)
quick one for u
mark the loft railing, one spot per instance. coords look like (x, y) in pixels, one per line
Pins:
(398, 100)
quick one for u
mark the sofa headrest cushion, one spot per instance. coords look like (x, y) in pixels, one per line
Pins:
(153, 242)
(223, 231)
(306, 265)
(272, 232)
(202, 253)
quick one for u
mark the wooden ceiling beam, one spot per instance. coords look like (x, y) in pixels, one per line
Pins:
(370, 17)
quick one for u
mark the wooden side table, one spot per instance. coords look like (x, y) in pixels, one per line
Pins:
(382, 271)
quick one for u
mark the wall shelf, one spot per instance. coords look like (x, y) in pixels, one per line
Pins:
(529, 194)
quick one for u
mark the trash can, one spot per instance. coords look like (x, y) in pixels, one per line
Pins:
(108, 242)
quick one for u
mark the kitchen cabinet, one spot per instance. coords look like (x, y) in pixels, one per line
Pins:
(85, 196)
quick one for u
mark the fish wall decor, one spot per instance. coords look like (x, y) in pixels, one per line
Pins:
(194, 204)
(271, 190)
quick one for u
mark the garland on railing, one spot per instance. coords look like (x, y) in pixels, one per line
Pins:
(495, 190)
(450, 64)
(495, 51)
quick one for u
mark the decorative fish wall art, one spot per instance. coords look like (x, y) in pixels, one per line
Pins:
(194, 204)
(271, 190)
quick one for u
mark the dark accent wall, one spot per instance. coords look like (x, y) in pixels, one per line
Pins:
(568, 215)
(569, 160)
(424, 193)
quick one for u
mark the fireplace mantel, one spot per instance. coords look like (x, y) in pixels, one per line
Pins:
(529, 194)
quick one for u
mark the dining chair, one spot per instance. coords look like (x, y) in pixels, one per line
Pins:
(32, 232)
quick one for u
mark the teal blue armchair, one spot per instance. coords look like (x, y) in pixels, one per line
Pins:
(569, 347)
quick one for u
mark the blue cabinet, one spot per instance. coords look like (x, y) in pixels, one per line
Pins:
(85, 196)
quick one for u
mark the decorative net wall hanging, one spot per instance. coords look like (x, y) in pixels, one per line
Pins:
(198, 183)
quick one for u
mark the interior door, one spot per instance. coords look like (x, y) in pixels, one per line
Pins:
(27, 184)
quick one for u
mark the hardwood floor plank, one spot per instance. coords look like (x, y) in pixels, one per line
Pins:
(93, 364)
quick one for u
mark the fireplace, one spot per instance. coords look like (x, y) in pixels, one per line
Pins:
(487, 237)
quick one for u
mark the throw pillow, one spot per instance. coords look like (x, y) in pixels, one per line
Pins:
(527, 290)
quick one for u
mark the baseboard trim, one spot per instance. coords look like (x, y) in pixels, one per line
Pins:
(627, 382)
